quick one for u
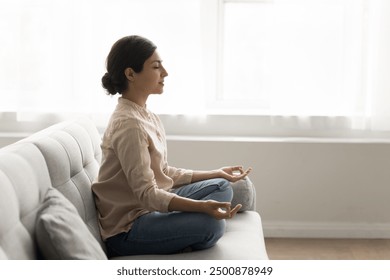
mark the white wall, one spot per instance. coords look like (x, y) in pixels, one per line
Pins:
(306, 188)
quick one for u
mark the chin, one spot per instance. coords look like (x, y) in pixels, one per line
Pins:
(159, 91)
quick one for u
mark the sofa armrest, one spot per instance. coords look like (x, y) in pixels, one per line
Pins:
(244, 193)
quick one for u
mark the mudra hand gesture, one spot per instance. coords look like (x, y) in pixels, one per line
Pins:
(234, 173)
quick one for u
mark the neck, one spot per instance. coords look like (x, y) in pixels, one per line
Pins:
(138, 99)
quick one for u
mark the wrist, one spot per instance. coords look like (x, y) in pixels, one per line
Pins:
(217, 173)
(201, 206)
(205, 175)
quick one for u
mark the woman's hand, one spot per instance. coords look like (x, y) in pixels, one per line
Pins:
(216, 209)
(230, 173)
(220, 210)
(234, 173)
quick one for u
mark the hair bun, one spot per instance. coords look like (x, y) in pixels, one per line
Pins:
(108, 84)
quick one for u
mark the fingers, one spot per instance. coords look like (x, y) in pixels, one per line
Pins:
(218, 204)
(240, 170)
(222, 210)
(222, 213)
(247, 171)
(228, 213)
(233, 169)
(235, 173)
(234, 211)
(237, 168)
(241, 175)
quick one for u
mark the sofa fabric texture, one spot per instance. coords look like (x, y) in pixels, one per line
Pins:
(48, 210)
(62, 234)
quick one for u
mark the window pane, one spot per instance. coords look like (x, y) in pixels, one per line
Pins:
(53, 52)
(293, 57)
(246, 48)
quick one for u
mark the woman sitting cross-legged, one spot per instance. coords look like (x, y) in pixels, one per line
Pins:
(144, 205)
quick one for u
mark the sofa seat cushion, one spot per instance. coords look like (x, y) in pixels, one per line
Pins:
(243, 240)
(61, 233)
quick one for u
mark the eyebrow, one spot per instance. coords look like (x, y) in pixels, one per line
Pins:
(158, 61)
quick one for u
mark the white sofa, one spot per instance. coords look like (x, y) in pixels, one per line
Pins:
(48, 212)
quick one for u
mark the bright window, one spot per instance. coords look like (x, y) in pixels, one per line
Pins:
(299, 58)
(53, 51)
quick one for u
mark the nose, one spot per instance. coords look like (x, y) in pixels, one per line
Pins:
(164, 72)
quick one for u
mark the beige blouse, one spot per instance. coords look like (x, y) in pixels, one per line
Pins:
(134, 177)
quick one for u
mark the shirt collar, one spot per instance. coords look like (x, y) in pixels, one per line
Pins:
(125, 101)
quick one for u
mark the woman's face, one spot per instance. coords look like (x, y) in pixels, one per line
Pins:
(151, 79)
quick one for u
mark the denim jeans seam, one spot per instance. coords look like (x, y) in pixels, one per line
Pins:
(201, 189)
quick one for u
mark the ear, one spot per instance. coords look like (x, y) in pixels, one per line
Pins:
(129, 73)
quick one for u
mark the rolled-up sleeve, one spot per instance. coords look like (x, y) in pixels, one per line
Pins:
(131, 145)
(179, 176)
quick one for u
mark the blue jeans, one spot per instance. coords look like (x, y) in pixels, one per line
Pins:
(173, 232)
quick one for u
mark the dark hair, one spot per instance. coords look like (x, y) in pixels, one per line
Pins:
(127, 52)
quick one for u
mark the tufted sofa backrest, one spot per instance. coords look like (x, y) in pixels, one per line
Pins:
(65, 156)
